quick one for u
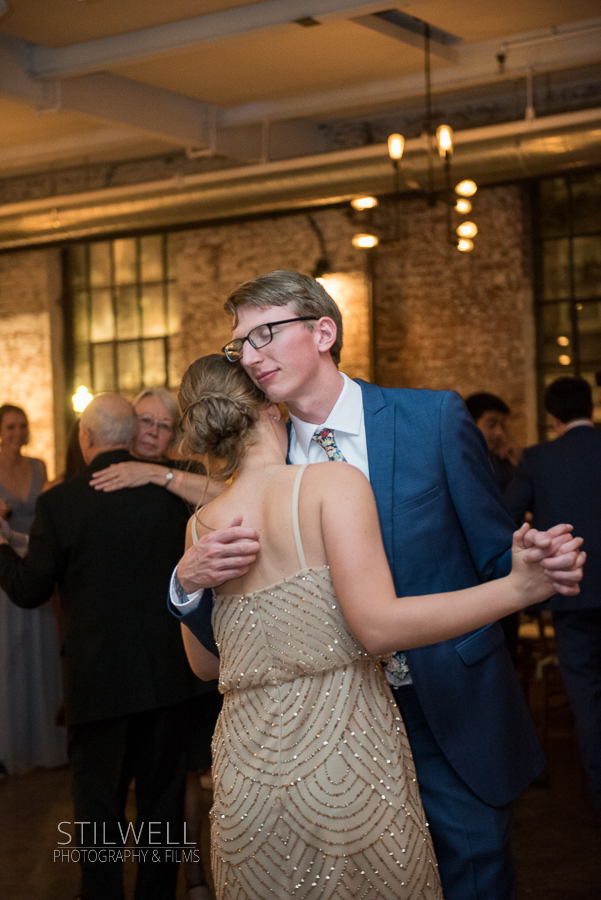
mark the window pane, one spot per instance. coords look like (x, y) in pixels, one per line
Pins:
(587, 266)
(586, 202)
(171, 256)
(81, 315)
(125, 261)
(589, 328)
(151, 249)
(79, 267)
(556, 334)
(104, 375)
(554, 208)
(154, 363)
(175, 368)
(130, 370)
(128, 319)
(82, 366)
(103, 325)
(556, 281)
(153, 311)
(174, 323)
(100, 264)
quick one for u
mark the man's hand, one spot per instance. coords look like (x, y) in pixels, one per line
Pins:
(555, 551)
(218, 557)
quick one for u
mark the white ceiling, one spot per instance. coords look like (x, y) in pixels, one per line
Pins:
(92, 80)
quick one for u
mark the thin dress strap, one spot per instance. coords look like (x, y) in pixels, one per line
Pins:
(194, 531)
(295, 525)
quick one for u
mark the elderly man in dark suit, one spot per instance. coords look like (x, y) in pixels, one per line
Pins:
(561, 480)
(127, 680)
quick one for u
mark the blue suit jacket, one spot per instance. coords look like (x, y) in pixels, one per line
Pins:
(560, 481)
(444, 529)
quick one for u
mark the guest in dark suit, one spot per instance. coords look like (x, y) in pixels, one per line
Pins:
(127, 680)
(561, 480)
(443, 527)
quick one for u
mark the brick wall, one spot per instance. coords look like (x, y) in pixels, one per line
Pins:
(27, 296)
(461, 321)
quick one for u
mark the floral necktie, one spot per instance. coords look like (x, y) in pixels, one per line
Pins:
(396, 666)
(325, 438)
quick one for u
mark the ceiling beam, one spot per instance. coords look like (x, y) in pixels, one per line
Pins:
(409, 30)
(164, 114)
(149, 43)
(476, 64)
(167, 115)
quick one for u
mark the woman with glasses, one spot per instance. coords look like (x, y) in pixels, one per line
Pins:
(315, 788)
(157, 414)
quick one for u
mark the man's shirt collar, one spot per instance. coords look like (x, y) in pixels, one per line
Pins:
(345, 417)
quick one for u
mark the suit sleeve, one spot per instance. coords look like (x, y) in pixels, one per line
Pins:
(198, 620)
(486, 525)
(30, 581)
(519, 494)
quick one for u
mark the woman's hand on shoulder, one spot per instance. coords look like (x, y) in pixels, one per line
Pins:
(123, 475)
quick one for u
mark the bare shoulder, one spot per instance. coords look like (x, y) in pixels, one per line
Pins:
(327, 478)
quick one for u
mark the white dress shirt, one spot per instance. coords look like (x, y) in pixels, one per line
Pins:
(346, 421)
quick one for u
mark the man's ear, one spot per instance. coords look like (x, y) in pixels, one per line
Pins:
(327, 332)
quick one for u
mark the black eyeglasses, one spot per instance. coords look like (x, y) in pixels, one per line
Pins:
(258, 337)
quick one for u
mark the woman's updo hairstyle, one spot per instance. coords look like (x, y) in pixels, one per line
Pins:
(219, 406)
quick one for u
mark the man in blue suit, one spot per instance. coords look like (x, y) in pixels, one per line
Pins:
(563, 478)
(443, 527)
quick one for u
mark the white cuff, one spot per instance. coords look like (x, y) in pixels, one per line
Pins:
(184, 603)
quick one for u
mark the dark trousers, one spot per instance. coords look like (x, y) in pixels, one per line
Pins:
(471, 838)
(150, 747)
(578, 642)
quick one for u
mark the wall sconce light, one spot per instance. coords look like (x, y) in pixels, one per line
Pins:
(444, 139)
(466, 188)
(396, 146)
(365, 241)
(467, 230)
(81, 398)
(465, 245)
(364, 202)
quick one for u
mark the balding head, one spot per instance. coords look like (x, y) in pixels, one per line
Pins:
(107, 423)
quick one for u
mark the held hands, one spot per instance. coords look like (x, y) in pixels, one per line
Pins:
(555, 552)
(545, 563)
(218, 556)
(121, 475)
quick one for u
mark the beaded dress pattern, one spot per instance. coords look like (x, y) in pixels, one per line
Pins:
(315, 788)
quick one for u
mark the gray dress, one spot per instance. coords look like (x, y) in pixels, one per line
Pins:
(30, 678)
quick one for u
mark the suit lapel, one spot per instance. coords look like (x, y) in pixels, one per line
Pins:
(379, 431)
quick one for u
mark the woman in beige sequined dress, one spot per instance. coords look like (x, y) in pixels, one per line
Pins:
(315, 790)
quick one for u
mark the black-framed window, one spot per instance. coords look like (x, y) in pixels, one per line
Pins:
(124, 314)
(568, 282)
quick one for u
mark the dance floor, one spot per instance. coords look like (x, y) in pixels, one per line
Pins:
(557, 836)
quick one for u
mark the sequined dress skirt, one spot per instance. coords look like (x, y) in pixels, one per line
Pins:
(315, 789)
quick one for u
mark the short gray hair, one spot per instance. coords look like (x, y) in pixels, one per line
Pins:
(111, 419)
(166, 399)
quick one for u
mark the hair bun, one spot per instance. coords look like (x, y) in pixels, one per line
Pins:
(220, 405)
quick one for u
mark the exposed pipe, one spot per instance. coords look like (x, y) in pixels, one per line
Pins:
(489, 155)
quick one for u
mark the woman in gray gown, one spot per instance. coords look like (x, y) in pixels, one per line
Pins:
(30, 679)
